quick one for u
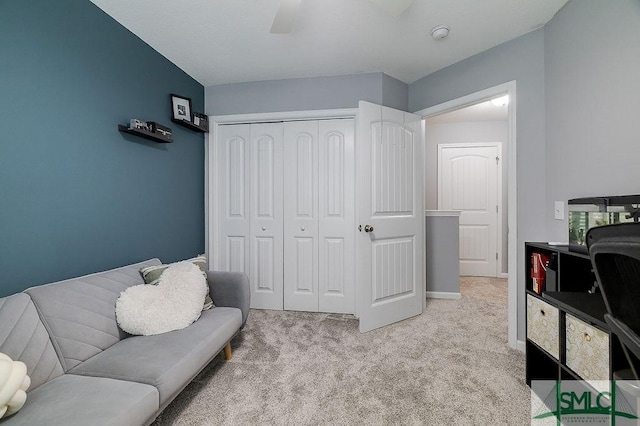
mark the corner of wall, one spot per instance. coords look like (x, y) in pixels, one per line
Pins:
(395, 93)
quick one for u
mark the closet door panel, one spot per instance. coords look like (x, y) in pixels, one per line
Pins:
(266, 216)
(336, 216)
(233, 199)
(301, 216)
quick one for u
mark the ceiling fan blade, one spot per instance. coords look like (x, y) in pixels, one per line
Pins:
(393, 7)
(285, 16)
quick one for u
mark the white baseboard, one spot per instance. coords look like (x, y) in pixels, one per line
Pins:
(503, 275)
(443, 295)
(520, 346)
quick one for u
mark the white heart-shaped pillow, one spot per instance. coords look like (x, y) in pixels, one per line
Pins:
(174, 303)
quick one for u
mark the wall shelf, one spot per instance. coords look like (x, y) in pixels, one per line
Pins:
(190, 125)
(569, 282)
(145, 134)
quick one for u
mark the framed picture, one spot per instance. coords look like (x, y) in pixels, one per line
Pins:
(181, 107)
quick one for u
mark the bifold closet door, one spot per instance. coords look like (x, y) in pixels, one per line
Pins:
(319, 216)
(233, 200)
(336, 215)
(266, 216)
(286, 212)
(249, 205)
(301, 216)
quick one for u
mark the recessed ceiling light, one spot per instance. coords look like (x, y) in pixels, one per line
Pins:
(440, 32)
(501, 101)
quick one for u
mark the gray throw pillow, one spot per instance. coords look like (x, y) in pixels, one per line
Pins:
(151, 275)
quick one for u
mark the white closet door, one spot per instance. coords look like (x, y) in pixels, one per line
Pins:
(301, 216)
(336, 216)
(266, 216)
(233, 198)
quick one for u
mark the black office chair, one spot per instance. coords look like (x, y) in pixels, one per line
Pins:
(615, 256)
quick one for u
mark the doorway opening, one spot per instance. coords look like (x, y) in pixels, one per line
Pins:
(459, 107)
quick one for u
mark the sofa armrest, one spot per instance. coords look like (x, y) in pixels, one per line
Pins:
(230, 289)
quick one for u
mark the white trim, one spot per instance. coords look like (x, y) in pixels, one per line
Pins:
(207, 206)
(503, 275)
(521, 346)
(211, 220)
(443, 295)
(431, 213)
(510, 89)
(469, 144)
(471, 99)
(284, 116)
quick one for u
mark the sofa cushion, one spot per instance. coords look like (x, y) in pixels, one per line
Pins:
(23, 338)
(76, 400)
(79, 313)
(167, 361)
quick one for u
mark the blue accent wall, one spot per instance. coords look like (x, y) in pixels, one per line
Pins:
(76, 195)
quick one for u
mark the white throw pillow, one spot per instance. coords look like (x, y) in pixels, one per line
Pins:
(14, 383)
(174, 303)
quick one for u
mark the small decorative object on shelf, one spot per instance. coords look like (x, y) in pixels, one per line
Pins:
(148, 130)
(159, 129)
(134, 123)
(201, 120)
(181, 108)
(183, 115)
(539, 263)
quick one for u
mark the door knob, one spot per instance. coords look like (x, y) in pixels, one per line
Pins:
(264, 228)
(368, 228)
(302, 228)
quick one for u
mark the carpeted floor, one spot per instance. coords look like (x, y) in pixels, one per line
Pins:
(450, 365)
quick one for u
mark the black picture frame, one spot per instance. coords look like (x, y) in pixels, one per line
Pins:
(181, 108)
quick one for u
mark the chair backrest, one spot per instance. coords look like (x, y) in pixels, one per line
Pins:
(615, 256)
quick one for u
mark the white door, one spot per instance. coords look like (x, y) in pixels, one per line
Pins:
(390, 212)
(233, 198)
(286, 212)
(301, 216)
(468, 181)
(336, 216)
(319, 272)
(266, 216)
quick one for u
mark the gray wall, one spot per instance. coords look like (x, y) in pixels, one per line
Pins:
(76, 195)
(592, 82)
(395, 93)
(306, 94)
(443, 251)
(467, 132)
(522, 60)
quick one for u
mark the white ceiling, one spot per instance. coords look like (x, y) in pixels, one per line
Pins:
(228, 41)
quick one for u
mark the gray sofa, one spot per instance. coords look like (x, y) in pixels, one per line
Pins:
(86, 371)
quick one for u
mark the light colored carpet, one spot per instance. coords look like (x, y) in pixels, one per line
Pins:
(450, 365)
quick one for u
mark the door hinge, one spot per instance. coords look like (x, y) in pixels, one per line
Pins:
(496, 256)
(497, 160)
(496, 209)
